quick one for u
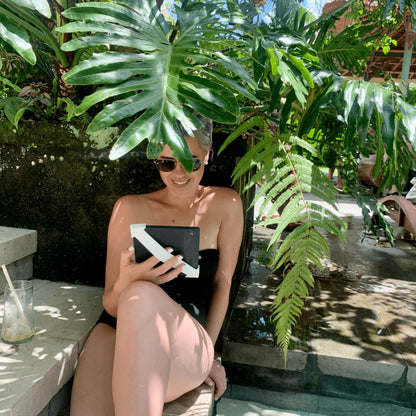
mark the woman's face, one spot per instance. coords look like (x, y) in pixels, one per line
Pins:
(178, 178)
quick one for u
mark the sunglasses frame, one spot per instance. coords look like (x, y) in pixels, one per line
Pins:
(195, 162)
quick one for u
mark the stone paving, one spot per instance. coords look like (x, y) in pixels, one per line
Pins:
(356, 338)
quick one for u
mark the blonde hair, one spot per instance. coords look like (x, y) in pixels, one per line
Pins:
(203, 135)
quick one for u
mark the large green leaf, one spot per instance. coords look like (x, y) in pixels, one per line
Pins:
(18, 39)
(166, 74)
(370, 103)
(31, 22)
(42, 6)
(14, 109)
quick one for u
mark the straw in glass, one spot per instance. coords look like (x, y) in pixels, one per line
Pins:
(14, 295)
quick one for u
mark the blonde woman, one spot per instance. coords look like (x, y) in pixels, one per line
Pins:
(154, 341)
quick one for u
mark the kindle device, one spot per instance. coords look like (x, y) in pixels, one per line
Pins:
(152, 240)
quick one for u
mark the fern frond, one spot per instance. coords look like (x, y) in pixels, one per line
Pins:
(259, 153)
(293, 211)
(297, 234)
(284, 177)
(294, 140)
(320, 221)
(306, 247)
(319, 211)
(293, 246)
(278, 195)
(269, 174)
(252, 122)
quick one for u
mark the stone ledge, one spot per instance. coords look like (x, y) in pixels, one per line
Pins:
(16, 243)
(198, 402)
(32, 373)
(16, 249)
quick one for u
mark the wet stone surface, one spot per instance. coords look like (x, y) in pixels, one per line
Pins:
(358, 328)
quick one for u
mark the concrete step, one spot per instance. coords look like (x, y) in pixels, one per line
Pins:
(17, 247)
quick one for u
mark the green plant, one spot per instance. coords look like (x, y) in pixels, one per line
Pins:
(36, 101)
(286, 178)
(167, 71)
(274, 83)
(31, 52)
(286, 84)
(299, 92)
(22, 21)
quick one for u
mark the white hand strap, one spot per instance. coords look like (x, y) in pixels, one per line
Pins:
(139, 231)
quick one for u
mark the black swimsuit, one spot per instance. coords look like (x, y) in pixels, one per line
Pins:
(193, 294)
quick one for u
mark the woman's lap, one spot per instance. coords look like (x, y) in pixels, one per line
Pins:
(187, 340)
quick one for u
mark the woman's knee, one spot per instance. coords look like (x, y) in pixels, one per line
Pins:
(140, 295)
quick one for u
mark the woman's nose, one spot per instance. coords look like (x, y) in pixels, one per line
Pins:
(179, 167)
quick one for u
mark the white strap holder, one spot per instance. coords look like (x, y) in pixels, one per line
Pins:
(138, 231)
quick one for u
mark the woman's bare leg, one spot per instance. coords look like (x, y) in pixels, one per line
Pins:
(91, 392)
(161, 352)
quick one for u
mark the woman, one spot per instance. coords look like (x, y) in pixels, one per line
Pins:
(154, 343)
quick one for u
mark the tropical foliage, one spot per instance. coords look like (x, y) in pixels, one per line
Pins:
(274, 85)
(302, 97)
(167, 71)
(32, 60)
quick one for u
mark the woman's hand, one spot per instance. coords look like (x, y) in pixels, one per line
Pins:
(217, 377)
(148, 269)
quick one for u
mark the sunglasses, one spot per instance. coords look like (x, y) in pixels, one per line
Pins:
(168, 165)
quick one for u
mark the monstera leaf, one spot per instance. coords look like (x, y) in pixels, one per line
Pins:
(155, 73)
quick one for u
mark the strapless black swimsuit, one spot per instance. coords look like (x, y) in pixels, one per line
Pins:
(193, 294)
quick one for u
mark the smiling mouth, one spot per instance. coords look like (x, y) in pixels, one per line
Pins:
(182, 182)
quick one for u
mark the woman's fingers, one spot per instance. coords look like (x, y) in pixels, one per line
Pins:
(209, 382)
(160, 273)
(127, 256)
(172, 274)
(152, 269)
(217, 376)
(168, 270)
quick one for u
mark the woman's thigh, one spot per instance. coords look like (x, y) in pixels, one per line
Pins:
(190, 350)
(91, 392)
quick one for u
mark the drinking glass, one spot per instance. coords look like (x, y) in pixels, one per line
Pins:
(18, 314)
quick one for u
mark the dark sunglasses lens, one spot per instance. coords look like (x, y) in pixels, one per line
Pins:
(196, 164)
(166, 165)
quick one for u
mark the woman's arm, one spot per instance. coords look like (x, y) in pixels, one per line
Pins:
(229, 241)
(228, 244)
(121, 269)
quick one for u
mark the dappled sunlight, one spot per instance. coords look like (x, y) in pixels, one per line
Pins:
(362, 306)
(23, 366)
(39, 352)
(50, 311)
(64, 314)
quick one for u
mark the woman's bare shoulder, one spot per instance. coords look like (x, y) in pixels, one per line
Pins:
(223, 194)
(134, 203)
(128, 200)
